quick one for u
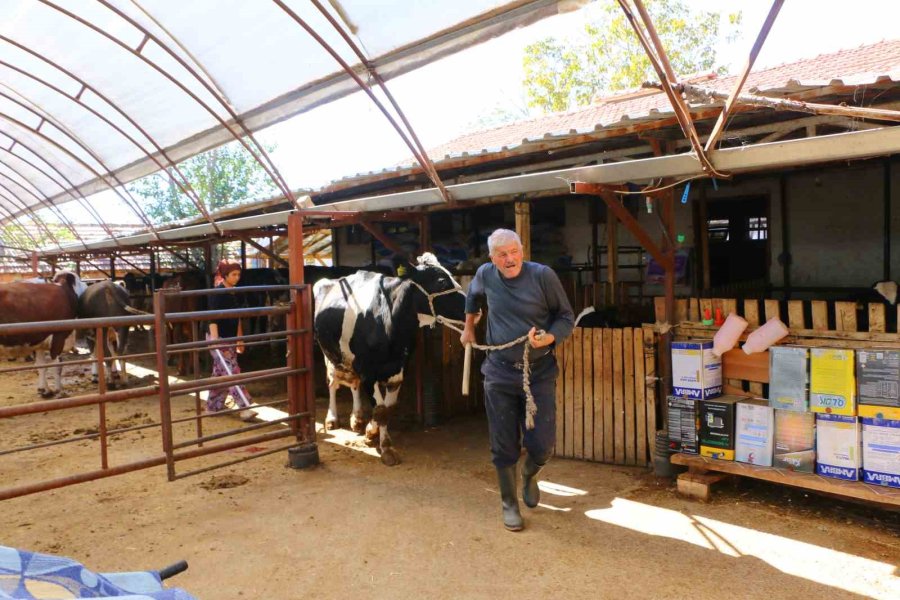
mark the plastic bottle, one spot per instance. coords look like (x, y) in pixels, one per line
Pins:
(729, 334)
(764, 337)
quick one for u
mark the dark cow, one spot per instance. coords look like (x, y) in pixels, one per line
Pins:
(102, 300)
(181, 332)
(591, 317)
(30, 302)
(365, 324)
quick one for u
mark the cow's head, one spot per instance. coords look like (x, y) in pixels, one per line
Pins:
(72, 280)
(442, 291)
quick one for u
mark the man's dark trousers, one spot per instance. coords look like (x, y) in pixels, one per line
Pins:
(504, 399)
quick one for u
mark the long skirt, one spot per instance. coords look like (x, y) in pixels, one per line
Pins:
(224, 362)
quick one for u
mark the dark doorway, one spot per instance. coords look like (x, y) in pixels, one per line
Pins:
(738, 231)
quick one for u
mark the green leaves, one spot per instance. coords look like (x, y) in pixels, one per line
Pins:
(563, 75)
(222, 177)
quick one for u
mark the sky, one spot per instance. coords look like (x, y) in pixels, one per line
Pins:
(445, 99)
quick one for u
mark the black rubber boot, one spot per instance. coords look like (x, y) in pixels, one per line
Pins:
(531, 493)
(512, 519)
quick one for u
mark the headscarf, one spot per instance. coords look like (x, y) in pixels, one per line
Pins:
(225, 267)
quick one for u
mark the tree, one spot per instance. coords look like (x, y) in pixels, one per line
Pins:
(222, 177)
(562, 75)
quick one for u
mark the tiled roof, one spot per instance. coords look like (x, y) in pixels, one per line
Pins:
(854, 66)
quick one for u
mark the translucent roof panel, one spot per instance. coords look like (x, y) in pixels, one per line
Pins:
(95, 93)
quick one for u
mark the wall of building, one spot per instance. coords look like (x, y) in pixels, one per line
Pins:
(835, 226)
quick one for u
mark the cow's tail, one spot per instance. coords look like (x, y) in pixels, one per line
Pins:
(123, 304)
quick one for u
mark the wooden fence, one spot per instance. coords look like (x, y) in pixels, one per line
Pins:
(606, 395)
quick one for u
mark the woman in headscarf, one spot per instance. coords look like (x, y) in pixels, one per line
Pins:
(224, 357)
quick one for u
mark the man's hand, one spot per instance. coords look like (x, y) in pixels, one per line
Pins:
(468, 336)
(240, 347)
(539, 340)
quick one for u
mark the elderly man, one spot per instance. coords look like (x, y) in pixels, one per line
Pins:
(523, 298)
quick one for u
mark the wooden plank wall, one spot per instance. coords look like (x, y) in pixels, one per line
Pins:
(811, 323)
(605, 408)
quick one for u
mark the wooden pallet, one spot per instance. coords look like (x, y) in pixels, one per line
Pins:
(695, 486)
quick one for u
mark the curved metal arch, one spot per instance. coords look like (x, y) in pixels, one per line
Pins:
(184, 184)
(22, 227)
(421, 156)
(34, 218)
(46, 203)
(135, 208)
(270, 168)
(82, 201)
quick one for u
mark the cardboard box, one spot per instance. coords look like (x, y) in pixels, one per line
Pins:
(789, 378)
(795, 441)
(682, 424)
(754, 432)
(878, 383)
(838, 447)
(881, 452)
(716, 416)
(696, 371)
(832, 385)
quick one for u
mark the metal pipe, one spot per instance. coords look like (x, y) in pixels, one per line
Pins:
(272, 172)
(719, 127)
(186, 187)
(45, 202)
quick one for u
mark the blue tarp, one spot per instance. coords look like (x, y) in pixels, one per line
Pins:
(33, 576)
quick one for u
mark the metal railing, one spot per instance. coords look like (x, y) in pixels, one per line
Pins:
(297, 335)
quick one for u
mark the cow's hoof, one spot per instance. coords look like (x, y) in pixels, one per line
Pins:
(332, 424)
(389, 457)
(95, 379)
(372, 434)
(47, 393)
(113, 385)
(357, 424)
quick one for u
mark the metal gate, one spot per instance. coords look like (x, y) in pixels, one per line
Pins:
(297, 424)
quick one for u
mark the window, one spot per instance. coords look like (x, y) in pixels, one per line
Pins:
(718, 230)
(757, 228)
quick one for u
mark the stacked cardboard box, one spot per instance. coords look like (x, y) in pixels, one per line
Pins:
(832, 387)
(881, 452)
(795, 441)
(838, 446)
(696, 371)
(716, 416)
(878, 376)
(682, 424)
(754, 432)
(789, 378)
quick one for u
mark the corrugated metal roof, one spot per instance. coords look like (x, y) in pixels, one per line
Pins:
(866, 65)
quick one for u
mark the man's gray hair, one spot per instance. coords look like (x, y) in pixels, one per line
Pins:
(502, 237)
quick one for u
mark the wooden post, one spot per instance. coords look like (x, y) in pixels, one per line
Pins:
(78, 268)
(523, 226)
(112, 267)
(243, 255)
(667, 199)
(595, 241)
(34, 264)
(612, 258)
(153, 269)
(701, 239)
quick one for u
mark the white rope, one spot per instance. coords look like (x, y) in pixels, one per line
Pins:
(530, 405)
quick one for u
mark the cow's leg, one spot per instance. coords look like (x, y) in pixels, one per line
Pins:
(383, 415)
(372, 428)
(57, 369)
(121, 350)
(357, 418)
(109, 344)
(331, 419)
(39, 361)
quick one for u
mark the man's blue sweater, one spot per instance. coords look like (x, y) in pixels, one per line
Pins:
(534, 298)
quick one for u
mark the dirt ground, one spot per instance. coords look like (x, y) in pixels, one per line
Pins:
(428, 528)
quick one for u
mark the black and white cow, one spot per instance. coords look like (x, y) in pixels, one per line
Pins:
(365, 324)
(102, 300)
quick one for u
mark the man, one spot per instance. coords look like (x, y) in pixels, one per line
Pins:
(522, 298)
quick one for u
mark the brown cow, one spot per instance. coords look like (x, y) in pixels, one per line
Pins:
(30, 302)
